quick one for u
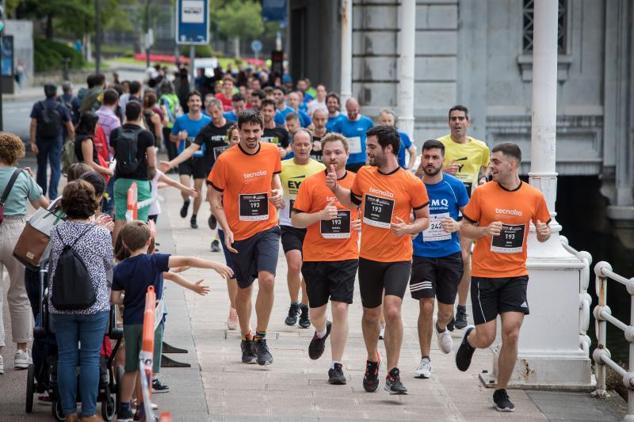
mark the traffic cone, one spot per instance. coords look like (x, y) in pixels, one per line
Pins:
(132, 211)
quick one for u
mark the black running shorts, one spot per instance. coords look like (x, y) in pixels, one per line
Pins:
(256, 253)
(374, 277)
(332, 280)
(292, 238)
(436, 277)
(201, 166)
(225, 251)
(493, 296)
(186, 168)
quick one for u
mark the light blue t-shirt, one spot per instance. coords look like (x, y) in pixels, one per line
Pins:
(445, 200)
(331, 121)
(355, 131)
(280, 117)
(24, 189)
(192, 127)
(230, 116)
(405, 144)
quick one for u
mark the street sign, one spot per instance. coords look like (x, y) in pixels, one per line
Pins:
(256, 46)
(277, 62)
(192, 21)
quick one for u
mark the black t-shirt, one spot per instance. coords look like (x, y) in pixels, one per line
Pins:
(144, 141)
(278, 136)
(79, 141)
(213, 141)
(314, 154)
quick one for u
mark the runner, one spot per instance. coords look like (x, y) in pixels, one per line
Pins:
(320, 117)
(389, 118)
(354, 126)
(274, 134)
(466, 158)
(498, 217)
(294, 172)
(388, 195)
(246, 192)
(330, 254)
(437, 264)
(184, 131)
(333, 104)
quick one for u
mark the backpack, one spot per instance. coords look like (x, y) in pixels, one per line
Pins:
(126, 148)
(49, 125)
(68, 155)
(72, 287)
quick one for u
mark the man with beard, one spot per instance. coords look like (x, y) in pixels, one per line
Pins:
(333, 104)
(437, 263)
(274, 134)
(320, 118)
(388, 196)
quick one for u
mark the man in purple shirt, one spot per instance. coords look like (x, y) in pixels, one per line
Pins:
(109, 121)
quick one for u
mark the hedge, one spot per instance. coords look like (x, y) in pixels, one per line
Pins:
(49, 55)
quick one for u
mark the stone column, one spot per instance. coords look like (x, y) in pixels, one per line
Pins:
(346, 51)
(406, 65)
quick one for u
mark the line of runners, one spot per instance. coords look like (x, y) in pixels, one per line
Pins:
(382, 222)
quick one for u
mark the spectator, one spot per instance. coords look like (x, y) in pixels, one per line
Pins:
(48, 119)
(108, 118)
(90, 99)
(170, 104)
(85, 148)
(181, 85)
(93, 244)
(71, 103)
(133, 94)
(153, 117)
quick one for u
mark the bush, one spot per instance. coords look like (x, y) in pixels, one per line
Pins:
(204, 51)
(49, 55)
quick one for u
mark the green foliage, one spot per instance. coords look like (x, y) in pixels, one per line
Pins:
(49, 55)
(239, 19)
(204, 51)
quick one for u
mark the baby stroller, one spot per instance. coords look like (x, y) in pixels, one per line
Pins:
(42, 374)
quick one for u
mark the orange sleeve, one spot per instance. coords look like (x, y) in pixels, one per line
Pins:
(304, 198)
(472, 211)
(541, 212)
(217, 175)
(278, 163)
(420, 199)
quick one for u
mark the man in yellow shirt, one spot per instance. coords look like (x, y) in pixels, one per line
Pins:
(294, 171)
(466, 158)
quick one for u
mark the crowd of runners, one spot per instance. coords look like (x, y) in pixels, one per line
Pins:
(345, 197)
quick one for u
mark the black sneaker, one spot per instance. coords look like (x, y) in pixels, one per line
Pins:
(184, 209)
(215, 245)
(465, 351)
(450, 324)
(317, 345)
(502, 401)
(336, 376)
(304, 319)
(248, 351)
(293, 312)
(158, 387)
(212, 222)
(192, 223)
(393, 384)
(371, 377)
(461, 317)
(124, 415)
(264, 356)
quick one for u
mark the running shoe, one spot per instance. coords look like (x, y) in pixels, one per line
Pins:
(465, 351)
(158, 387)
(248, 351)
(336, 376)
(232, 320)
(304, 318)
(445, 342)
(293, 313)
(124, 415)
(184, 209)
(450, 325)
(502, 401)
(192, 222)
(212, 222)
(461, 317)
(393, 384)
(371, 377)
(318, 345)
(215, 245)
(424, 369)
(264, 356)
(22, 359)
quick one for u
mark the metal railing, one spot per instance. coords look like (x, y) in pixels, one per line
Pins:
(603, 315)
(585, 300)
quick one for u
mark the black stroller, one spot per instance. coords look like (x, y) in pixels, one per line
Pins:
(42, 374)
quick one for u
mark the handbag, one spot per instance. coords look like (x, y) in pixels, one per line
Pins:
(7, 190)
(32, 245)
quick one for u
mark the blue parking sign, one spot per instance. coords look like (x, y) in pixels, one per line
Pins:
(192, 21)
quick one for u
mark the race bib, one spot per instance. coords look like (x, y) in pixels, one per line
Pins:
(219, 150)
(337, 228)
(254, 207)
(354, 144)
(510, 240)
(435, 231)
(377, 212)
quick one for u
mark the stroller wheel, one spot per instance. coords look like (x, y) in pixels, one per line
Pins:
(57, 411)
(30, 388)
(108, 407)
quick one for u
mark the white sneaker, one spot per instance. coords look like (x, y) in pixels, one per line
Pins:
(1, 365)
(382, 332)
(445, 342)
(424, 369)
(22, 359)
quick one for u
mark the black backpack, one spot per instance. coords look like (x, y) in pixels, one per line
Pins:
(49, 125)
(126, 148)
(72, 287)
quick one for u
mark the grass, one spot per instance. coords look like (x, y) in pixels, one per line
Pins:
(224, 61)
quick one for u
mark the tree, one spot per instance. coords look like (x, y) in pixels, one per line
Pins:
(240, 19)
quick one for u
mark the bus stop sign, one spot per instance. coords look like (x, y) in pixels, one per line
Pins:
(192, 21)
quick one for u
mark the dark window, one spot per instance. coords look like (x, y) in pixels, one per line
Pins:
(529, 19)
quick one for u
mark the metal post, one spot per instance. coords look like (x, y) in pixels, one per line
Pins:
(346, 50)
(407, 51)
(147, 30)
(630, 391)
(97, 36)
(601, 286)
(192, 71)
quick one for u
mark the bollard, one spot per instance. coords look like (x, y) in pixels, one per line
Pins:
(132, 206)
(147, 351)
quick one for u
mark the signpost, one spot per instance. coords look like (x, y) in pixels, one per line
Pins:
(256, 46)
(192, 27)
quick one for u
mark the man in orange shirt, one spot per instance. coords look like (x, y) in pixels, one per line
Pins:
(330, 251)
(246, 194)
(498, 218)
(388, 196)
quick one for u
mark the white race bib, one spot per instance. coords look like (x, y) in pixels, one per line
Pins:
(435, 231)
(354, 144)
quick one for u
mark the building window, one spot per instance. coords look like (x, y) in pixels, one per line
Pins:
(529, 19)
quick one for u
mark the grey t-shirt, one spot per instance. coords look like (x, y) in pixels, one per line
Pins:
(24, 189)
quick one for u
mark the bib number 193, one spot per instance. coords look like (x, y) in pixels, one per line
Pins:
(254, 207)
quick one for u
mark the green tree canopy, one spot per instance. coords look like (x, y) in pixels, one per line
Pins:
(241, 19)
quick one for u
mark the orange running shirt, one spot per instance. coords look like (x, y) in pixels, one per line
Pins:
(504, 255)
(331, 240)
(384, 198)
(245, 180)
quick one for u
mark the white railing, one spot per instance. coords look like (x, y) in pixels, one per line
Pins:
(585, 300)
(603, 315)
